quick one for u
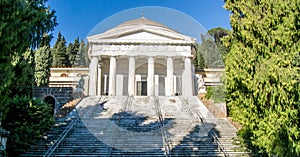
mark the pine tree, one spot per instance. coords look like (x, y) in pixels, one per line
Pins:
(263, 91)
(217, 34)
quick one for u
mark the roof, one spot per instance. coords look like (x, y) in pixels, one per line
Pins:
(141, 24)
(142, 21)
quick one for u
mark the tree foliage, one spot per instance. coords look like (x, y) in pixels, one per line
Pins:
(26, 120)
(217, 34)
(42, 66)
(210, 53)
(72, 51)
(82, 55)
(262, 72)
(22, 27)
(199, 61)
(59, 52)
(75, 54)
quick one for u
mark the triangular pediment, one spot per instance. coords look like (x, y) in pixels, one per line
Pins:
(146, 36)
(141, 33)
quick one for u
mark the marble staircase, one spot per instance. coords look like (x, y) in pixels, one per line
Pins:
(144, 126)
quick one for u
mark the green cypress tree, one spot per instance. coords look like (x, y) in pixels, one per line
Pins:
(54, 49)
(81, 58)
(42, 66)
(210, 53)
(199, 61)
(22, 26)
(59, 52)
(262, 73)
(72, 51)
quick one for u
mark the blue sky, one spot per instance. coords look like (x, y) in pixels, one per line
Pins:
(77, 18)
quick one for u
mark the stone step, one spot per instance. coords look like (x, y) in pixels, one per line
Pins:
(188, 140)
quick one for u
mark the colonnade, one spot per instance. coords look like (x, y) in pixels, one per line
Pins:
(96, 70)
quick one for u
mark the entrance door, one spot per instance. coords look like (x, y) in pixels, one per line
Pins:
(141, 88)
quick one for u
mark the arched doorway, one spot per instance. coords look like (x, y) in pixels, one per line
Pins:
(51, 101)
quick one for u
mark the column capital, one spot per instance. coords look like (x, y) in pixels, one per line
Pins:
(132, 56)
(169, 57)
(114, 56)
(150, 59)
(189, 56)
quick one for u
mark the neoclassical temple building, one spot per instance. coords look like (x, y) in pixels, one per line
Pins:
(141, 57)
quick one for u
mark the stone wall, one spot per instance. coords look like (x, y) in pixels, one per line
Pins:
(61, 95)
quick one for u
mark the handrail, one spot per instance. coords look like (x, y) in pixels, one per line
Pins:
(61, 138)
(214, 136)
(163, 131)
(127, 107)
(186, 107)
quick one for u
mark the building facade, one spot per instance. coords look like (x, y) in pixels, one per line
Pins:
(70, 77)
(141, 57)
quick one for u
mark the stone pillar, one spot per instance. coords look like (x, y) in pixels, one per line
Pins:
(112, 76)
(99, 79)
(187, 80)
(156, 85)
(170, 78)
(105, 85)
(150, 81)
(93, 76)
(131, 76)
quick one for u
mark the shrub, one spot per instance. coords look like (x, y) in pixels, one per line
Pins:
(26, 120)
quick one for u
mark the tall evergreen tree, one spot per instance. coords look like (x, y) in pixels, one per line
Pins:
(54, 49)
(210, 53)
(17, 35)
(22, 26)
(199, 60)
(263, 77)
(72, 51)
(59, 52)
(42, 66)
(82, 56)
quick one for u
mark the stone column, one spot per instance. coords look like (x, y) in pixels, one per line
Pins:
(170, 78)
(93, 76)
(105, 85)
(150, 81)
(99, 79)
(131, 76)
(112, 76)
(187, 80)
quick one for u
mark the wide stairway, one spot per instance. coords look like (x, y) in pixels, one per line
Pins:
(140, 126)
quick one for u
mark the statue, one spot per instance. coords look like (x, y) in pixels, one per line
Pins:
(79, 88)
(201, 84)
